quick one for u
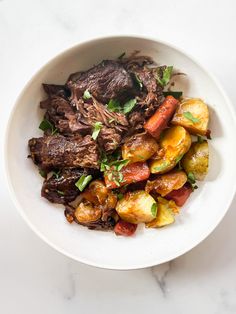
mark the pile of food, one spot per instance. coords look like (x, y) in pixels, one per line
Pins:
(119, 147)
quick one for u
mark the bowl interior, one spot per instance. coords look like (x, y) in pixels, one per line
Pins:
(198, 217)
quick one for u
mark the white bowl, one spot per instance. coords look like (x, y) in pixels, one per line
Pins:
(201, 214)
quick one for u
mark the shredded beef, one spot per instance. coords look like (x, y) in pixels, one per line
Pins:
(57, 151)
(105, 81)
(61, 189)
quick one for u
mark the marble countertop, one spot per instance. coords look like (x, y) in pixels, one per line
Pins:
(36, 279)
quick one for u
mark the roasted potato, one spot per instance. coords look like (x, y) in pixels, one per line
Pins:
(139, 147)
(165, 214)
(137, 207)
(175, 142)
(166, 183)
(86, 212)
(196, 160)
(192, 114)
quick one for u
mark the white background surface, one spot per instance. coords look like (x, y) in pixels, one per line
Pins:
(36, 279)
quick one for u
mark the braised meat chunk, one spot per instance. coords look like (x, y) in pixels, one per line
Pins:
(60, 187)
(105, 81)
(57, 152)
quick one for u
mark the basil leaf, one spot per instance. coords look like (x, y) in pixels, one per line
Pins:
(96, 129)
(87, 94)
(154, 209)
(114, 105)
(129, 105)
(83, 182)
(190, 117)
(166, 76)
(176, 95)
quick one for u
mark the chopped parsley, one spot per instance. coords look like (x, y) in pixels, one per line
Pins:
(96, 129)
(154, 209)
(138, 81)
(200, 139)
(120, 196)
(47, 125)
(115, 106)
(190, 117)
(83, 182)
(166, 76)
(179, 158)
(192, 181)
(161, 167)
(60, 192)
(87, 94)
(129, 105)
(43, 173)
(176, 94)
(56, 174)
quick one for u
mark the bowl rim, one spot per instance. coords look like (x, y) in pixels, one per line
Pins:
(6, 163)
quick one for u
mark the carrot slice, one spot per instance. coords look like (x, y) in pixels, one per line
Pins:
(158, 122)
(131, 173)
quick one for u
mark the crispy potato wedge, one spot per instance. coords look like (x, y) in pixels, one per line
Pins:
(139, 147)
(166, 183)
(175, 142)
(192, 114)
(137, 207)
(196, 160)
(165, 214)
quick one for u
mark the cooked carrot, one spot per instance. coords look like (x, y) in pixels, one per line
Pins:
(181, 195)
(131, 173)
(158, 122)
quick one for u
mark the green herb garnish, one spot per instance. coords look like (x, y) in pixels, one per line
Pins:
(121, 56)
(176, 95)
(120, 196)
(47, 125)
(138, 81)
(154, 209)
(192, 181)
(114, 105)
(87, 94)
(179, 158)
(60, 192)
(200, 139)
(166, 76)
(191, 177)
(83, 182)
(119, 164)
(43, 173)
(161, 167)
(129, 105)
(190, 117)
(56, 174)
(96, 129)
